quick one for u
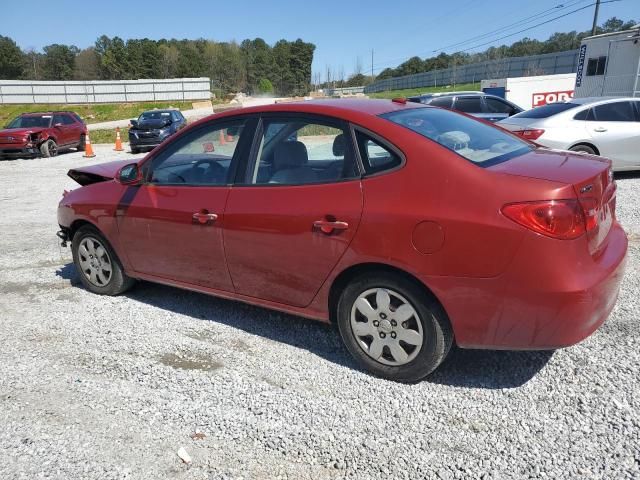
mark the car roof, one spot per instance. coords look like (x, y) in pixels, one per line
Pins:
(162, 110)
(36, 114)
(594, 100)
(335, 106)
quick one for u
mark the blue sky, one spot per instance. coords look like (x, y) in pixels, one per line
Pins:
(343, 31)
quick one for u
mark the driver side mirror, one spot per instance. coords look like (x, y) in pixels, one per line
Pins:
(134, 123)
(129, 175)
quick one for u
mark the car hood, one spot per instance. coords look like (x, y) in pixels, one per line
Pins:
(101, 172)
(16, 132)
(554, 165)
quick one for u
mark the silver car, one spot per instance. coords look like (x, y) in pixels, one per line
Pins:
(607, 126)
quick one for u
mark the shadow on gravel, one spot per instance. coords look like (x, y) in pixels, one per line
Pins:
(464, 368)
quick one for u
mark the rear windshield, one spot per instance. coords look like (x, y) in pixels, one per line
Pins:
(476, 141)
(31, 121)
(546, 110)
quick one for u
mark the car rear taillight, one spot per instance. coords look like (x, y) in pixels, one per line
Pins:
(561, 219)
(530, 134)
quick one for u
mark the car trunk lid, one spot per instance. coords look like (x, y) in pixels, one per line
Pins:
(591, 178)
(101, 172)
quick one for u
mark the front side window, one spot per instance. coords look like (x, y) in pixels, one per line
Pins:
(295, 151)
(468, 104)
(614, 112)
(475, 141)
(201, 158)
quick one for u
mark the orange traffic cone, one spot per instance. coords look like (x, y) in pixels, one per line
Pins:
(118, 141)
(229, 137)
(88, 149)
(222, 140)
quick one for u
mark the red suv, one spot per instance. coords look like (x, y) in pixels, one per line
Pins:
(42, 134)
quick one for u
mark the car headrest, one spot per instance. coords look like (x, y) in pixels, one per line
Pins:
(290, 154)
(339, 145)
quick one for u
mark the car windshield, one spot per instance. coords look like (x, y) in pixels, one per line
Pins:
(476, 141)
(146, 116)
(546, 110)
(29, 121)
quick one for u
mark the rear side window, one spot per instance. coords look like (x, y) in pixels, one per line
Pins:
(546, 111)
(67, 120)
(614, 112)
(498, 106)
(376, 157)
(468, 104)
(444, 102)
(581, 115)
(475, 141)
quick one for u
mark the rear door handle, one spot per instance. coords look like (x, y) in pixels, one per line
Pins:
(599, 129)
(329, 226)
(203, 217)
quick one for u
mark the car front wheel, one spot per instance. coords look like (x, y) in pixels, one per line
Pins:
(49, 148)
(392, 327)
(99, 268)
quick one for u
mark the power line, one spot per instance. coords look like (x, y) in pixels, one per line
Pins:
(529, 19)
(532, 18)
(532, 27)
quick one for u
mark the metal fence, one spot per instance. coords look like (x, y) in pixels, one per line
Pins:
(104, 91)
(545, 64)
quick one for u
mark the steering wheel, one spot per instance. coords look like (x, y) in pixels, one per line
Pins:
(217, 170)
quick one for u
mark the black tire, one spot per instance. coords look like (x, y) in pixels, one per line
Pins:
(437, 336)
(49, 148)
(584, 149)
(82, 143)
(117, 282)
(135, 150)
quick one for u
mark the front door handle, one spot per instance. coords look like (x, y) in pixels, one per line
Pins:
(599, 129)
(329, 226)
(203, 217)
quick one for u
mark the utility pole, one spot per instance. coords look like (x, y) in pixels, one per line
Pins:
(372, 64)
(595, 18)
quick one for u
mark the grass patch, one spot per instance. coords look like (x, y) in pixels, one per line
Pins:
(417, 91)
(90, 113)
(108, 136)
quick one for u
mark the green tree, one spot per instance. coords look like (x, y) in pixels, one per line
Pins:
(12, 60)
(265, 86)
(59, 61)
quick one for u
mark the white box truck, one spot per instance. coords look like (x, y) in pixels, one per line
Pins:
(530, 92)
(609, 65)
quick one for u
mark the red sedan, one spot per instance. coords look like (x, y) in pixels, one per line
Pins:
(411, 227)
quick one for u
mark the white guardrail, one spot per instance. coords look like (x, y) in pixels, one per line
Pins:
(104, 91)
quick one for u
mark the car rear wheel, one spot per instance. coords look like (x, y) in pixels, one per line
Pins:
(49, 148)
(583, 148)
(82, 143)
(99, 268)
(392, 327)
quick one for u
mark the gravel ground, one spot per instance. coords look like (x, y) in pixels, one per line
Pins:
(98, 388)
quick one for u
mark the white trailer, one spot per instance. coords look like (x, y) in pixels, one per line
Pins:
(530, 92)
(609, 65)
